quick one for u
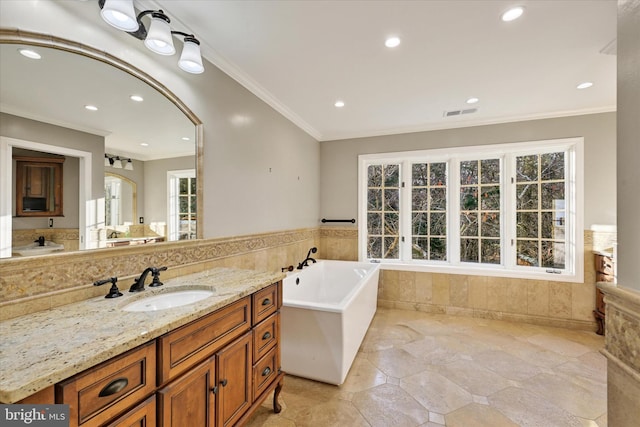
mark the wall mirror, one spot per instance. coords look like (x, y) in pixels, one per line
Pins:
(120, 201)
(158, 134)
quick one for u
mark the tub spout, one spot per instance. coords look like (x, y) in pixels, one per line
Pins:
(305, 263)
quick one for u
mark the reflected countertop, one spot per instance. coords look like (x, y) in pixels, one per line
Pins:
(44, 348)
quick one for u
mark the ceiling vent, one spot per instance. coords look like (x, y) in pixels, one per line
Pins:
(611, 48)
(459, 112)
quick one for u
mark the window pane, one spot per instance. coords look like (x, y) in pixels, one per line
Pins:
(391, 175)
(420, 199)
(193, 186)
(490, 198)
(552, 166)
(490, 251)
(527, 196)
(184, 204)
(184, 185)
(490, 171)
(469, 172)
(438, 199)
(553, 254)
(527, 224)
(552, 225)
(469, 224)
(374, 247)
(374, 176)
(527, 168)
(469, 250)
(438, 174)
(374, 199)
(391, 223)
(390, 248)
(391, 200)
(528, 253)
(419, 174)
(374, 223)
(194, 206)
(553, 195)
(438, 248)
(420, 248)
(490, 225)
(420, 224)
(438, 226)
(469, 198)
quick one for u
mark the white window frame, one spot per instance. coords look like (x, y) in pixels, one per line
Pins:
(507, 153)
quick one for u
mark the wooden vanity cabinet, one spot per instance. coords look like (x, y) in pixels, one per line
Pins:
(213, 372)
(39, 186)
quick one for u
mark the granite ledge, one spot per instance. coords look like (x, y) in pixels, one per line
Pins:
(41, 349)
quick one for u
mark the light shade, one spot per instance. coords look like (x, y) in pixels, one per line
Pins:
(129, 165)
(117, 163)
(191, 59)
(106, 160)
(120, 14)
(159, 38)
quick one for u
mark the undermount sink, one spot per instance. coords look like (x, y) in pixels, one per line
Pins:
(168, 300)
(36, 249)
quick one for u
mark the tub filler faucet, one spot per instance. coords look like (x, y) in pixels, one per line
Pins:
(305, 263)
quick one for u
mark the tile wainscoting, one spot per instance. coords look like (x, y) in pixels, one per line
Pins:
(33, 284)
(548, 303)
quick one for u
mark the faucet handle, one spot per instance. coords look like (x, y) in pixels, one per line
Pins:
(114, 292)
(155, 272)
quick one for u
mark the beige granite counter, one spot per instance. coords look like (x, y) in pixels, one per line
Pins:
(44, 348)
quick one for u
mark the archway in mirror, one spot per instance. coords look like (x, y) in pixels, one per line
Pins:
(159, 131)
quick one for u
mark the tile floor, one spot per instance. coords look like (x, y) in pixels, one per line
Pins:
(419, 369)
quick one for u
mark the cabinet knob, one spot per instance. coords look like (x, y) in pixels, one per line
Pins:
(214, 390)
(223, 383)
(266, 301)
(266, 335)
(266, 371)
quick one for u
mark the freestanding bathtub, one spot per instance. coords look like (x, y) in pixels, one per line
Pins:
(326, 311)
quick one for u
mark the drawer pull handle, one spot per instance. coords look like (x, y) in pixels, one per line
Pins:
(114, 387)
(266, 371)
(223, 383)
(266, 336)
(266, 301)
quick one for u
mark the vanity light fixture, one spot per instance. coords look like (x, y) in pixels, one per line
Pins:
(129, 165)
(159, 37)
(107, 160)
(117, 163)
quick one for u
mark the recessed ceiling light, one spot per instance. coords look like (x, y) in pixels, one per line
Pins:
(339, 103)
(136, 98)
(185, 138)
(472, 100)
(29, 53)
(512, 14)
(584, 85)
(91, 107)
(392, 42)
(144, 144)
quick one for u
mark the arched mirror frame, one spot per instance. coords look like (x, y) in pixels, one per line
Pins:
(11, 36)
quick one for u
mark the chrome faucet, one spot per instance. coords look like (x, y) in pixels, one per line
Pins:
(138, 284)
(305, 263)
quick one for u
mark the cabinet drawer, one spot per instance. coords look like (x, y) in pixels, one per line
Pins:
(104, 391)
(265, 303)
(143, 415)
(187, 346)
(265, 371)
(265, 336)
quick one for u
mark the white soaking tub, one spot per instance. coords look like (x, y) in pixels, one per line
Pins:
(326, 311)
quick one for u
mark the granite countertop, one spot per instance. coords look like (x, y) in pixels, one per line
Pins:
(44, 348)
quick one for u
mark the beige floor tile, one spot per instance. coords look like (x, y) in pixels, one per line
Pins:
(475, 415)
(435, 392)
(389, 405)
(334, 413)
(396, 362)
(560, 345)
(474, 378)
(363, 375)
(528, 409)
(385, 337)
(506, 365)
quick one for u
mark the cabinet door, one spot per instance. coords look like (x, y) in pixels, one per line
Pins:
(143, 415)
(234, 381)
(190, 400)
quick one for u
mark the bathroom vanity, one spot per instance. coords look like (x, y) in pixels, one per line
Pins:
(210, 363)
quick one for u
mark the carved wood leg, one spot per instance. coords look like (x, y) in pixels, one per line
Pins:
(276, 406)
(600, 322)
